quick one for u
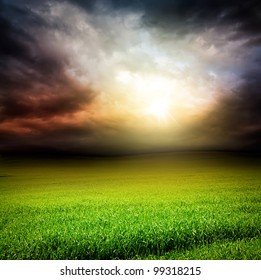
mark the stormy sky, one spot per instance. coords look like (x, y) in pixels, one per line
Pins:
(124, 76)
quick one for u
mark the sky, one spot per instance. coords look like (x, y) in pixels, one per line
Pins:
(109, 77)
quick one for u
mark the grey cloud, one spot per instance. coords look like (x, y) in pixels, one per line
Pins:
(235, 120)
(189, 13)
(33, 82)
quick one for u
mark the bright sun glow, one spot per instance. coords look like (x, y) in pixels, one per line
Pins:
(159, 109)
(151, 93)
(157, 96)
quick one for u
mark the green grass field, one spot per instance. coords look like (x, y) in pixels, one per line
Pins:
(177, 206)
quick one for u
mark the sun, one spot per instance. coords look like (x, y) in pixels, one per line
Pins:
(151, 93)
(159, 109)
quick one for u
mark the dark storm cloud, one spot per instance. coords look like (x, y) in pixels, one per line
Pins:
(33, 82)
(189, 14)
(34, 87)
(45, 105)
(235, 120)
(48, 137)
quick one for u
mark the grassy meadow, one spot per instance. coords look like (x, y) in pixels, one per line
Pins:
(176, 206)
